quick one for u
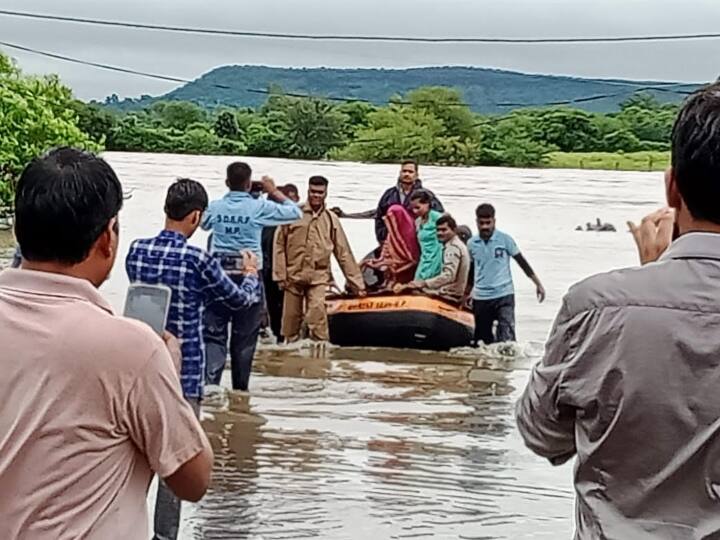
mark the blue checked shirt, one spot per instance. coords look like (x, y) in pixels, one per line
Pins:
(196, 279)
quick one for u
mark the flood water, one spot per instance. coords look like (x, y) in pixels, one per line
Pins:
(357, 444)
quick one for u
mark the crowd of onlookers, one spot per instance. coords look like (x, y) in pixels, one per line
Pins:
(95, 404)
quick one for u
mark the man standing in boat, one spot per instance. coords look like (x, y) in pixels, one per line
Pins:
(493, 293)
(408, 183)
(301, 264)
(401, 193)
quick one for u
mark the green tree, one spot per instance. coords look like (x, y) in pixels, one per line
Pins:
(226, 125)
(94, 120)
(313, 128)
(178, 114)
(570, 130)
(395, 133)
(511, 141)
(446, 105)
(36, 113)
(648, 124)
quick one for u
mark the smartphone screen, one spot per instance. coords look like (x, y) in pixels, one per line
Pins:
(150, 304)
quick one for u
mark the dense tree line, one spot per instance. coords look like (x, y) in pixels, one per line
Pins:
(431, 124)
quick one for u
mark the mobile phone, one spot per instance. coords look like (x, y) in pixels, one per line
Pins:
(150, 304)
(256, 186)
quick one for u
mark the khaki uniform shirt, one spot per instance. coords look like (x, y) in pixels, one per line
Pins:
(452, 280)
(303, 250)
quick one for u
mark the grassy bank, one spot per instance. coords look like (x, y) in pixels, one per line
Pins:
(632, 161)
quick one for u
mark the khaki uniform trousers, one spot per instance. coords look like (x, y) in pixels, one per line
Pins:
(305, 302)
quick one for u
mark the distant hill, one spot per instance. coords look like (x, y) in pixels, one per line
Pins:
(483, 89)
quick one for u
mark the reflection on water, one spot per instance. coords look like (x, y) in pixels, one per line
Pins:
(358, 444)
(335, 445)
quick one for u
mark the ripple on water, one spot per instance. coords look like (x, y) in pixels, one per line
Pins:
(341, 445)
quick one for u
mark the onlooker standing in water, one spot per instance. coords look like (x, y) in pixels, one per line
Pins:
(236, 222)
(629, 381)
(431, 249)
(302, 260)
(92, 403)
(195, 279)
(493, 293)
(273, 294)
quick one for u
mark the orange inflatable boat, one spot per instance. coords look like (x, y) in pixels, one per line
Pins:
(405, 321)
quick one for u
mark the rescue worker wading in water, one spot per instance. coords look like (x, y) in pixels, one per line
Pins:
(301, 264)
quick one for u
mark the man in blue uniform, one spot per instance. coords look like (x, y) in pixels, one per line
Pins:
(493, 292)
(236, 222)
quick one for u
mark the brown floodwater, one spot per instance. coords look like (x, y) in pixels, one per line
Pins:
(382, 444)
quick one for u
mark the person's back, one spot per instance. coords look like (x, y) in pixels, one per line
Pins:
(70, 459)
(92, 404)
(237, 220)
(629, 379)
(195, 278)
(646, 416)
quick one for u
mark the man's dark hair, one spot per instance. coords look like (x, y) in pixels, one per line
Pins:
(696, 153)
(238, 176)
(464, 233)
(287, 189)
(485, 211)
(318, 181)
(183, 197)
(421, 195)
(410, 162)
(447, 219)
(63, 203)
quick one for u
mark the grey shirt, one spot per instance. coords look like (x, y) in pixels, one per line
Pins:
(630, 385)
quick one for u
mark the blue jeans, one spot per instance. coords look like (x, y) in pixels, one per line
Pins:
(244, 331)
(167, 505)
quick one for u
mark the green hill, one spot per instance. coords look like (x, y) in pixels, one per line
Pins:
(486, 90)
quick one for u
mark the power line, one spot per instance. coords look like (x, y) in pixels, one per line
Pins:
(119, 69)
(332, 37)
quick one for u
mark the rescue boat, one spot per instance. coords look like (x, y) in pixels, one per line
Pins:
(404, 321)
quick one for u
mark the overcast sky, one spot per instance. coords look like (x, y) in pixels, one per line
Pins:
(190, 55)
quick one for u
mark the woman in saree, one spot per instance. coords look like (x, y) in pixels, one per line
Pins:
(431, 249)
(400, 252)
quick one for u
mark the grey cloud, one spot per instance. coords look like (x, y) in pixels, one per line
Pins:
(188, 56)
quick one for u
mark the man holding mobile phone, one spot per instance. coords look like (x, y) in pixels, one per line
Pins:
(92, 403)
(195, 280)
(236, 222)
(629, 382)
